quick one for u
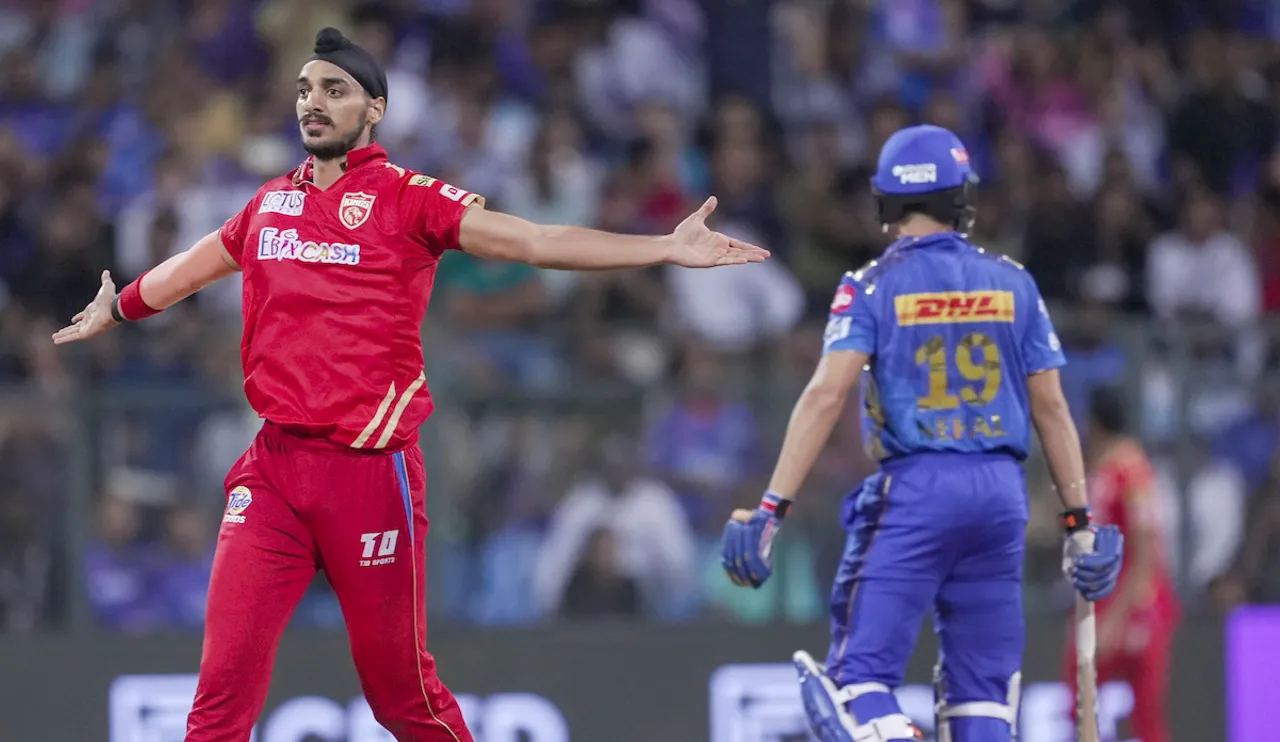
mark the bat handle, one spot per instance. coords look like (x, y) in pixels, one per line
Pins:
(1086, 662)
(1086, 672)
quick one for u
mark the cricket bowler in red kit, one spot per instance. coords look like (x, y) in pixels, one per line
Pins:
(338, 259)
(1136, 623)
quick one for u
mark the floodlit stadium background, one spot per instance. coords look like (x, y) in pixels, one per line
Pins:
(1128, 159)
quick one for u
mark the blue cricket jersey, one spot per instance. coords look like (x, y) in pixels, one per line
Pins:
(953, 333)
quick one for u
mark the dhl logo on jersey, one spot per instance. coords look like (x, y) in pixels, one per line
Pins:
(954, 307)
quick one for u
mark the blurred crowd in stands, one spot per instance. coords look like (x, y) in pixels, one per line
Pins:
(595, 430)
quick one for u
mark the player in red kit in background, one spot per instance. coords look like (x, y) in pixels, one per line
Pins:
(1136, 623)
(338, 259)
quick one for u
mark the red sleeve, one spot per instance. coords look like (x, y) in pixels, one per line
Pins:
(1141, 508)
(434, 210)
(235, 231)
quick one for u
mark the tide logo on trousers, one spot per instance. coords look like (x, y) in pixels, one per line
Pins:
(385, 545)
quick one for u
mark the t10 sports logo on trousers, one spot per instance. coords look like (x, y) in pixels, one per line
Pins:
(274, 244)
(154, 708)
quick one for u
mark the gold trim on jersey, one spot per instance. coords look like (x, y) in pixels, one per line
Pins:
(394, 421)
(377, 418)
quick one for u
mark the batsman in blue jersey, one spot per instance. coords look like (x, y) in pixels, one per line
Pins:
(961, 359)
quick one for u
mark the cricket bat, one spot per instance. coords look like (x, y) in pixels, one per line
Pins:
(1086, 668)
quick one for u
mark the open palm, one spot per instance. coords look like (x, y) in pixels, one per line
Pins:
(697, 246)
(95, 319)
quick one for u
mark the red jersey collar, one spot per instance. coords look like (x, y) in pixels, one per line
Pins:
(355, 158)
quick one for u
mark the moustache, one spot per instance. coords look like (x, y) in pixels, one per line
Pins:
(315, 119)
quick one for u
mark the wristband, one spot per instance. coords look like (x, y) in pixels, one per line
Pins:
(131, 306)
(1076, 519)
(115, 310)
(775, 505)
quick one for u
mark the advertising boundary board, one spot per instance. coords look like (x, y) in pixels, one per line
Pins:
(611, 682)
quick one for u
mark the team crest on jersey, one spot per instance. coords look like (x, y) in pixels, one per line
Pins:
(355, 208)
(844, 298)
(238, 501)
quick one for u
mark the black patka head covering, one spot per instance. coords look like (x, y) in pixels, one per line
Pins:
(333, 47)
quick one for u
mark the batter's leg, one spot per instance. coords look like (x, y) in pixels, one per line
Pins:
(263, 564)
(979, 621)
(887, 580)
(374, 553)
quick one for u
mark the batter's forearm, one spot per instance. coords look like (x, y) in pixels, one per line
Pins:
(1061, 443)
(811, 423)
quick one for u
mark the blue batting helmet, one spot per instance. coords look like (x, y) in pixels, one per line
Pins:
(925, 169)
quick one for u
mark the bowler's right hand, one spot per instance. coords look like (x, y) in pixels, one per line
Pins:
(95, 319)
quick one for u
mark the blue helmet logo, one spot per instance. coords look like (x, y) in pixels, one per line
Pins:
(921, 159)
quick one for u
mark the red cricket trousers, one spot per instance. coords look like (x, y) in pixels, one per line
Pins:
(295, 505)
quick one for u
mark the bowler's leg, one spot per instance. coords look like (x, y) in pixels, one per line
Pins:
(375, 557)
(263, 563)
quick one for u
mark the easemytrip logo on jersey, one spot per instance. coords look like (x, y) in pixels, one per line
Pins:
(761, 703)
(154, 708)
(274, 244)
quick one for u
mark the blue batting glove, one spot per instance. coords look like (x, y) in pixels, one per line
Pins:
(1093, 571)
(1098, 572)
(747, 545)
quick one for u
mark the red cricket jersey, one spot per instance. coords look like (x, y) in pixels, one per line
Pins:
(1122, 491)
(336, 285)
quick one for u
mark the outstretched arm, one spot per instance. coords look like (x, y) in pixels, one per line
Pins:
(158, 289)
(489, 234)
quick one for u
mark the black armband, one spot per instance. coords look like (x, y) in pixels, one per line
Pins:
(116, 314)
(1076, 519)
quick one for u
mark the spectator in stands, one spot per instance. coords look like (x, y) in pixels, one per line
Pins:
(1094, 358)
(184, 566)
(496, 308)
(1202, 269)
(522, 463)
(1236, 475)
(598, 587)
(118, 569)
(653, 541)
(26, 561)
(1253, 574)
(616, 313)
(705, 445)
(374, 27)
(1220, 130)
